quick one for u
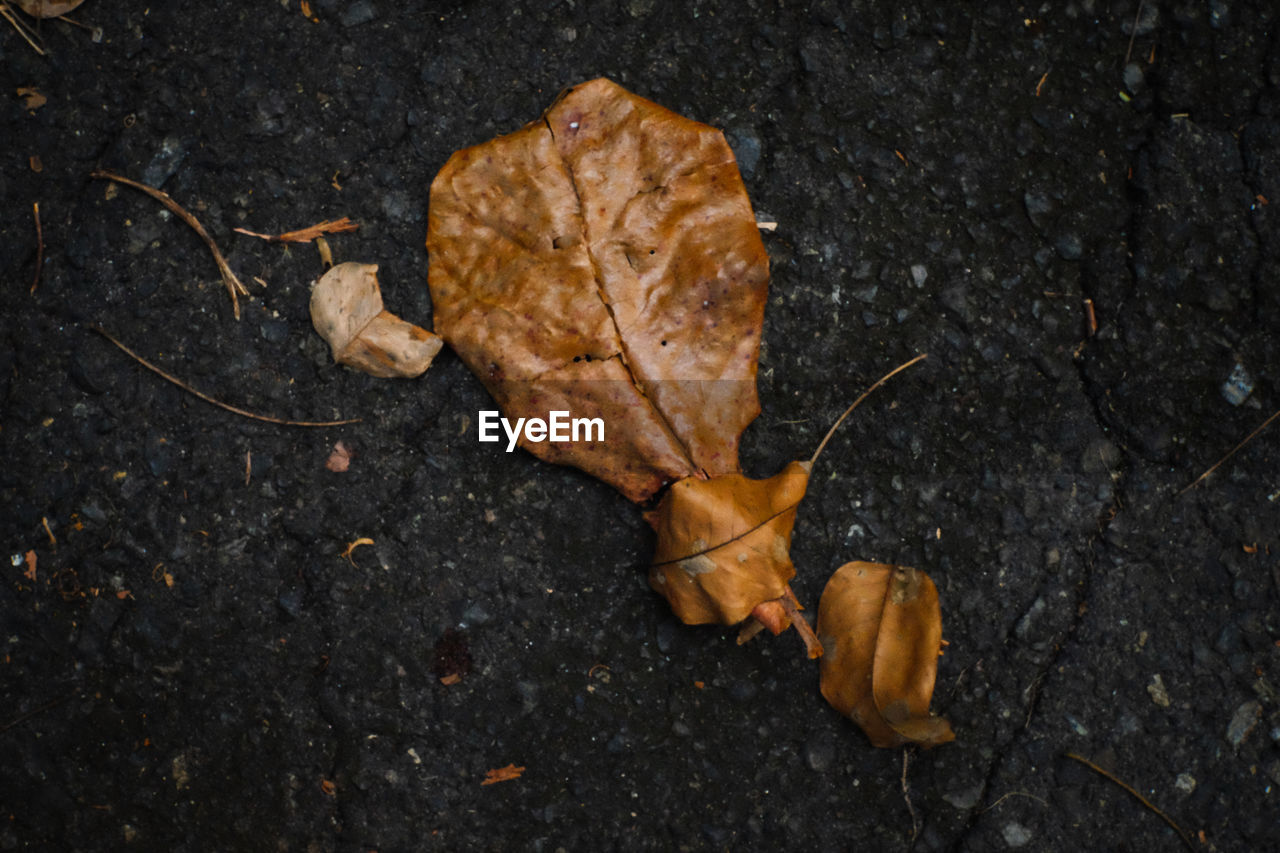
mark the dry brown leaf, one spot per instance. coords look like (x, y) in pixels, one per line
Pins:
(502, 774)
(30, 558)
(605, 260)
(724, 544)
(346, 309)
(881, 627)
(47, 8)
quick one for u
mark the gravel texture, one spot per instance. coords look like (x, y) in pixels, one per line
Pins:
(195, 666)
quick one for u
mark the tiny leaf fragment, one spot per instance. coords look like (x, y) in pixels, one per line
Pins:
(502, 774)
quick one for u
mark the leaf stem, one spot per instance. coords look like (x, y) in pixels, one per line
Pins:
(883, 379)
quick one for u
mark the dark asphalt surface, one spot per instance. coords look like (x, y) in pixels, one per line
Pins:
(195, 666)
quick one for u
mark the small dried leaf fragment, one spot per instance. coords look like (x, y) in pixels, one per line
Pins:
(346, 309)
(32, 98)
(881, 626)
(502, 774)
(339, 458)
(724, 544)
(352, 546)
(47, 8)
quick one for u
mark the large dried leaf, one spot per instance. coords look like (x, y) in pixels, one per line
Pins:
(605, 260)
(881, 627)
(724, 544)
(346, 309)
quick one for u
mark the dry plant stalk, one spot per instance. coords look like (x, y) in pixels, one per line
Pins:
(305, 235)
(1215, 466)
(35, 279)
(29, 36)
(1182, 833)
(233, 284)
(185, 387)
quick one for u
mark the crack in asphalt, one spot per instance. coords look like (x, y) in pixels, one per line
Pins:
(1096, 395)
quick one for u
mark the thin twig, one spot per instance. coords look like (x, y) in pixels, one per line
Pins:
(1248, 438)
(786, 509)
(185, 387)
(791, 606)
(234, 287)
(305, 235)
(8, 15)
(865, 394)
(22, 718)
(1186, 839)
(35, 279)
(1013, 794)
(906, 794)
(67, 19)
(1133, 32)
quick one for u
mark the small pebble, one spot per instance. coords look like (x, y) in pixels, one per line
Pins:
(360, 12)
(1133, 77)
(1159, 694)
(1239, 385)
(964, 799)
(290, 601)
(1038, 206)
(820, 752)
(1069, 246)
(476, 614)
(1243, 722)
(165, 162)
(274, 331)
(1015, 834)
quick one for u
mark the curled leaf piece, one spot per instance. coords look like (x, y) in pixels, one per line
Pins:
(724, 545)
(881, 626)
(346, 309)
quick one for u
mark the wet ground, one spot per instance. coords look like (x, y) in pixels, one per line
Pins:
(1071, 208)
